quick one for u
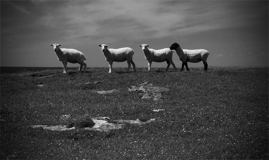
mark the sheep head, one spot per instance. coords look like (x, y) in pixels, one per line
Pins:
(55, 45)
(103, 46)
(174, 46)
(143, 46)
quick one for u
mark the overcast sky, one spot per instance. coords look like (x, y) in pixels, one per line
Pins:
(234, 31)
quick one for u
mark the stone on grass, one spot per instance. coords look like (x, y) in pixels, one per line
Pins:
(82, 124)
(158, 110)
(65, 117)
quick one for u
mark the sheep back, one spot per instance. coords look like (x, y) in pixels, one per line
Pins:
(158, 55)
(161, 51)
(73, 55)
(196, 51)
(124, 50)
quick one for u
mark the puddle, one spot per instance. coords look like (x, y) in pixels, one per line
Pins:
(103, 124)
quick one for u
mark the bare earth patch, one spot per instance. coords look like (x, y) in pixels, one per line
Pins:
(148, 91)
(103, 124)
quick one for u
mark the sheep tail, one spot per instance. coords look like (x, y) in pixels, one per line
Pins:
(206, 54)
(83, 57)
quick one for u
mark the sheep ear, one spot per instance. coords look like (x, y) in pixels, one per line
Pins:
(99, 45)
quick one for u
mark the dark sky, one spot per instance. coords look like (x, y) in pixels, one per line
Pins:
(234, 31)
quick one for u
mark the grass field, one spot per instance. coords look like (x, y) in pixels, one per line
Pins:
(219, 114)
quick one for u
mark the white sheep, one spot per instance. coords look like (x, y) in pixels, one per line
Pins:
(69, 55)
(193, 56)
(160, 55)
(118, 55)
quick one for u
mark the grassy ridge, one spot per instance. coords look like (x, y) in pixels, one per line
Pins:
(219, 114)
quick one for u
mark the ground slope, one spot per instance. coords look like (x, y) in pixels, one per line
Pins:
(219, 114)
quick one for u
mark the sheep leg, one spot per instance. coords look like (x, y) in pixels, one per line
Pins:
(182, 67)
(82, 64)
(133, 65)
(85, 66)
(149, 65)
(186, 64)
(174, 65)
(79, 69)
(129, 65)
(110, 66)
(64, 68)
(168, 65)
(205, 65)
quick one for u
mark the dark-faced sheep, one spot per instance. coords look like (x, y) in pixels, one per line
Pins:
(193, 56)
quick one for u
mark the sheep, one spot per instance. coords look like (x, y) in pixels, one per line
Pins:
(69, 55)
(118, 55)
(161, 55)
(193, 56)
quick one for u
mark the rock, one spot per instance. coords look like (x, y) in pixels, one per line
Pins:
(157, 110)
(82, 124)
(65, 117)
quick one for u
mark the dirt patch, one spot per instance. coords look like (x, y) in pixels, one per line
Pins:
(137, 121)
(89, 85)
(148, 91)
(107, 91)
(103, 124)
(41, 75)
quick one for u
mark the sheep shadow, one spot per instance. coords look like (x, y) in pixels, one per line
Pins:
(123, 72)
(159, 70)
(72, 73)
(163, 71)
